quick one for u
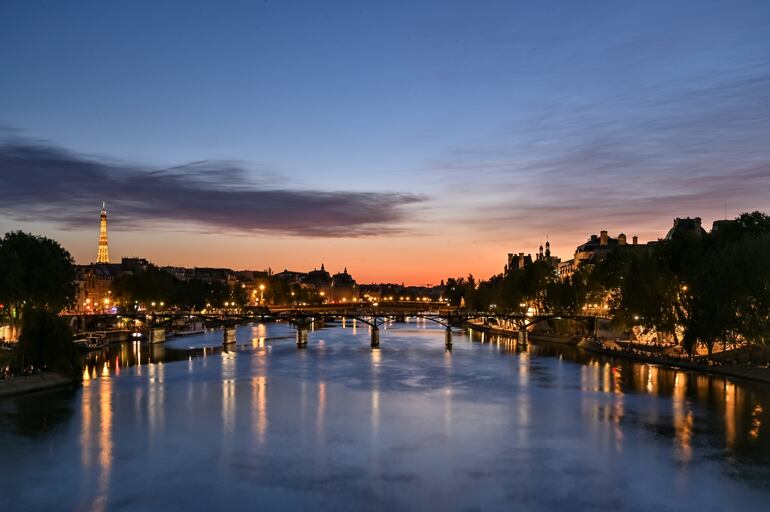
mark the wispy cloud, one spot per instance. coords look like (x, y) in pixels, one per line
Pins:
(42, 182)
(677, 151)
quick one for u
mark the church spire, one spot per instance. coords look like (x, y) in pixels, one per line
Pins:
(103, 255)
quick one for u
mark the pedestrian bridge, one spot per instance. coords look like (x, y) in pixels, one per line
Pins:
(304, 318)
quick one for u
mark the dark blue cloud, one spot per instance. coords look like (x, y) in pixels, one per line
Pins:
(46, 183)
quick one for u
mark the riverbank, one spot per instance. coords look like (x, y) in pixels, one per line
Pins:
(739, 371)
(31, 383)
(561, 339)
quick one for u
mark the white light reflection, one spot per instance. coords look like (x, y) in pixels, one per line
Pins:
(228, 391)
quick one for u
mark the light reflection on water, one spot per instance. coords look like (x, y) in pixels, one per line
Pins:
(407, 425)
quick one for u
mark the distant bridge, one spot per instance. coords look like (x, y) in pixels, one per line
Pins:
(304, 317)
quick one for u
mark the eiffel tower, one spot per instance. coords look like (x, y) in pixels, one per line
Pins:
(103, 255)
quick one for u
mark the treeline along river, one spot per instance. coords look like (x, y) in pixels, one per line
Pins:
(191, 425)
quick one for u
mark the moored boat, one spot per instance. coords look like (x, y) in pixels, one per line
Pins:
(90, 342)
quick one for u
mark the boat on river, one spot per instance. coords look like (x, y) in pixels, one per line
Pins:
(90, 342)
(189, 329)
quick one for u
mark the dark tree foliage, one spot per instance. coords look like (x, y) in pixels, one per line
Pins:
(34, 271)
(46, 343)
(282, 292)
(156, 285)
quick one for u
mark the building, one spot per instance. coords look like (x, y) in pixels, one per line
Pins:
(319, 280)
(686, 227)
(344, 288)
(181, 273)
(566, 269)
(94, 287)
(520, 261)
(517, 261)
(134, 265)
(291, 276)
(597, 247)
(546, 257)
(214, 275)
(592, 251)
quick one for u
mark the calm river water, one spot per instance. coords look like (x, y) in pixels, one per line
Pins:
(487, 426)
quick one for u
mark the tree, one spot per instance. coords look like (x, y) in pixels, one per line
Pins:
(152, 285)
(34, 271)
(533, 281)
(752, 304)
(239, 296)
(46, 343)
(647, 294)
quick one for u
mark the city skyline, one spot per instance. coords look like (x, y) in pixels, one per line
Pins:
(410, 143)
(543, 250)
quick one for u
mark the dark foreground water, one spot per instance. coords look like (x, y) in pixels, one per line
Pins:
(340, 426)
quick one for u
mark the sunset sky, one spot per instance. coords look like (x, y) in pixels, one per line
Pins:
(407, 141)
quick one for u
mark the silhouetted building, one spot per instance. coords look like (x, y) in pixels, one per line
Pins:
(320, 280)
(546, 257)
(595, 248)
(686, 227)
(517, 261)
(134, 265)
(291, 276)
(213, 275)
(343, 287)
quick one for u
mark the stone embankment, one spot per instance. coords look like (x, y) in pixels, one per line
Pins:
(741, 371)
(31, 383)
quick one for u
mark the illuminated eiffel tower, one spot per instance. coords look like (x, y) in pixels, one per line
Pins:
(104, 252)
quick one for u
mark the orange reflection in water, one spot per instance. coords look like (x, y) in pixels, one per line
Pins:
(321, 413)
(731, 399)
(259, 407)
(618, 407)
(683, 418)
(100, 454)
(756, 421)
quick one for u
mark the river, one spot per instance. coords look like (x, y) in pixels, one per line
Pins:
(338, 425)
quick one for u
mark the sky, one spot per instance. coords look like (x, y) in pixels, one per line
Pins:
(407, 141)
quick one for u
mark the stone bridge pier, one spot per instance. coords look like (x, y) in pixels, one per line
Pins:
(228, 335)
(302, 334)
